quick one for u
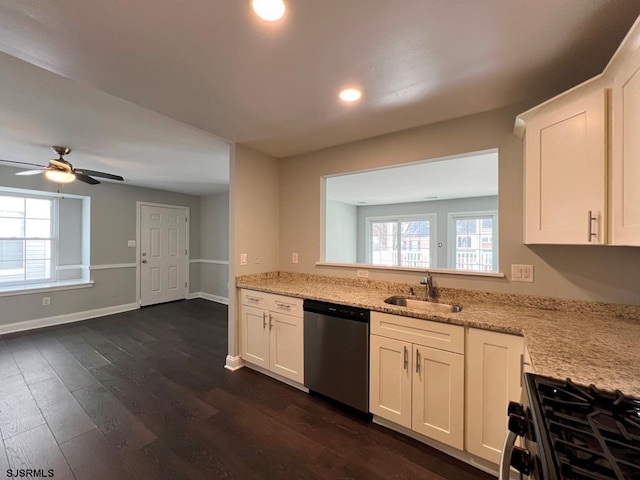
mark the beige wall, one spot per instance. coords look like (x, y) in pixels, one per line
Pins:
(591, 273)
(254, 219)
(113, 223)
(213, 278)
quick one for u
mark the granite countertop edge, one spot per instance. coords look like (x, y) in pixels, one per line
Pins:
(589, 348)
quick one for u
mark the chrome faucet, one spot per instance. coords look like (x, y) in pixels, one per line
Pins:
(427, 281)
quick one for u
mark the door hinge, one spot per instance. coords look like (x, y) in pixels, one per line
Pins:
(186, 219)
(185, 251)
(185, 285)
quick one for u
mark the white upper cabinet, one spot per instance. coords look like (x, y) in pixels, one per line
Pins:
(582, 158)
(566, 168)
(625, 145)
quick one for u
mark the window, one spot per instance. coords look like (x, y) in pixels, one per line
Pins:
(401, 242)
(26, 239)
(474, 240)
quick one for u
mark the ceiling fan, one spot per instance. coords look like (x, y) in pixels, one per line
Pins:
(61, 171)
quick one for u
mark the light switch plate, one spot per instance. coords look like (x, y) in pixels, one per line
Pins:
(294, 257)
(243, 259)
(131, 243)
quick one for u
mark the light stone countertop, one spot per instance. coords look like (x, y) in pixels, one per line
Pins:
(591, 343)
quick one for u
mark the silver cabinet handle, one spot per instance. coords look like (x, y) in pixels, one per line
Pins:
(270, 321)
(144, 261)
(284, 305)
(417, 361)
(590, 233)
(406, 357)
(253, 299)
(264, 320)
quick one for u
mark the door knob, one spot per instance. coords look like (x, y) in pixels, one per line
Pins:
(144, 261)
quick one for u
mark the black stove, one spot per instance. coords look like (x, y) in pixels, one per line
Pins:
(576, 432)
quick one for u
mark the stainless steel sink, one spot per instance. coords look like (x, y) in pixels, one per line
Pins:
(423, 305)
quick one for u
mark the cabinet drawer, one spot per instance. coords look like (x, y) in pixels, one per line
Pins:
(253, 299)
(271, 302)
(423, 332)
(288, 305)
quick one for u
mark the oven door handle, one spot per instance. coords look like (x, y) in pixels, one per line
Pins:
(505, 458)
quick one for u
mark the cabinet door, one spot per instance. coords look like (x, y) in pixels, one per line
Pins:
(565, 172)
(390, 380)
(625, 161)
(438, 395)
(287, 346)
(254, 336)
(494, 376)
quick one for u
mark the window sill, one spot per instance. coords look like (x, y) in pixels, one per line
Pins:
(366, 266)
(45, 287)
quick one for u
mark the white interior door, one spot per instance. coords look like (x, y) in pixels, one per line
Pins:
(163, 254)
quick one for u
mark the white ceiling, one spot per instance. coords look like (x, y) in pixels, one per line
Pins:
(213, 65)
(474, 175)
(40, 109)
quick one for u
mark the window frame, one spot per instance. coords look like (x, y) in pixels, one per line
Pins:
(452, 244)
(430, 217)
(53, 238)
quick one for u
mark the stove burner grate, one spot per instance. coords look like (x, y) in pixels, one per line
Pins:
(594, 434)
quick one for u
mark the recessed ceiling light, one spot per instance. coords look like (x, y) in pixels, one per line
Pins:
(269, 10)
(350, 94)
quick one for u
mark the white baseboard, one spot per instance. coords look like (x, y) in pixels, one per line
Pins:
(461, 455)
(67, 318)
(208, 296)
(233, 363)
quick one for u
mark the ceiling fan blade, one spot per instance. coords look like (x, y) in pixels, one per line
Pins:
(31, 172)
(86, 178)
(22, 163)
(94, 173)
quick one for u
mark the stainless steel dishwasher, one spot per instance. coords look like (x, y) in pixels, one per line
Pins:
(336, 352)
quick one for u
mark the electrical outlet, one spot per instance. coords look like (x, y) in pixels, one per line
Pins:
(243, 259)
(46, 301)
(522, 273)
(363, 273)
(294, 257)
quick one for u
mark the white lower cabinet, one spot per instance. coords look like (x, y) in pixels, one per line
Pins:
(271, 338)
(495, 366)
(416, 385)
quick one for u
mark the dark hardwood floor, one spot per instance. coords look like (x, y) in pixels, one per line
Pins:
(144, 395)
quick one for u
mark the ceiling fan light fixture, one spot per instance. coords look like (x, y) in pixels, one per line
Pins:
(59, 176)
(269, 10)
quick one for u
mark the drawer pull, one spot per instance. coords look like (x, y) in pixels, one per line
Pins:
(283, 305)
(406, 358)
(253, 299)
